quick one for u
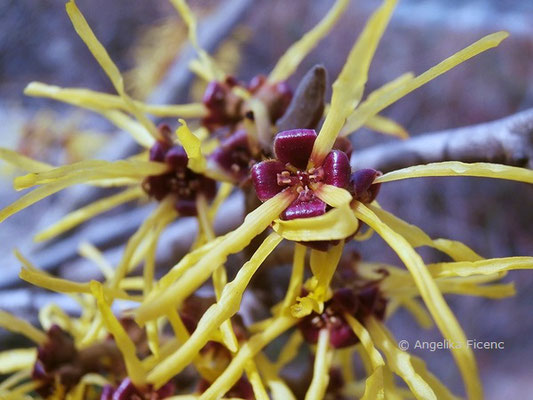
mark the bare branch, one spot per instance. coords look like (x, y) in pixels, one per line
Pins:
(505, 141)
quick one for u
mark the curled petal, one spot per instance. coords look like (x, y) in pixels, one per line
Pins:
(304, 207)
(337, 169)
(265, 178)
(361, 185)
(338, 223)
(343, 144)
(294, 146)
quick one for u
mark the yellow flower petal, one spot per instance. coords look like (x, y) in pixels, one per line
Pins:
(23, 162)
(225, 308)
(481, 267)
(100, 54)
(456, 168)
(417, 311)
(386, 126)
(323, 358)
(83, 214)
(17, 325)
(126, 346)
(192, 146)
(338, 223)
(164, 213)
(416, 237)
(102, 170)
(432, 296)
(279, 389)
(399, 361)
(323, 265)
(194, 276)
(16, 360)
(297, 274)
(219, 275)
(374, 105)
(209, 66)
(349, 86)
(258, 387)
(290, 350)
(294, 55)
(256, 343)
(374, 385)
(91, 99)
(41, 279)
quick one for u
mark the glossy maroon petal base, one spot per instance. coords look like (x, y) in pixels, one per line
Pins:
(294, 146)
(265, 178)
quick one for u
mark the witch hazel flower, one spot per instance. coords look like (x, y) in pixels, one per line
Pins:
(180, 181)
(290, 172)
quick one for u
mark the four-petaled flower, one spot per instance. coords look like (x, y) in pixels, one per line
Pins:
(289, 171)
(181, 182)
(359, 303)
(227, 108)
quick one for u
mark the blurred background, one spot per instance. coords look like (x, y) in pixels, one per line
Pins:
(144, 38)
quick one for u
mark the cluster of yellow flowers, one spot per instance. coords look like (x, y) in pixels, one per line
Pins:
(311, 201)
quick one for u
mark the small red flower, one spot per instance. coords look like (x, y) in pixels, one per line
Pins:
(289, 172)
(180, 181)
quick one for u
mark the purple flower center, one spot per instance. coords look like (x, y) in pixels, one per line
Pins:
(360, 303)
(180, 181)
(289, 172)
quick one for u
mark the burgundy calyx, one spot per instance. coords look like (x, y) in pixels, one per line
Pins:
(180, 181)
(234, 156)
(276, 96)
(358, 302)
(224, 107)
(289, 172)
(362, 185)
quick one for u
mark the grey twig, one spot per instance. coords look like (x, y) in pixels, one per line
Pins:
(506, 141)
